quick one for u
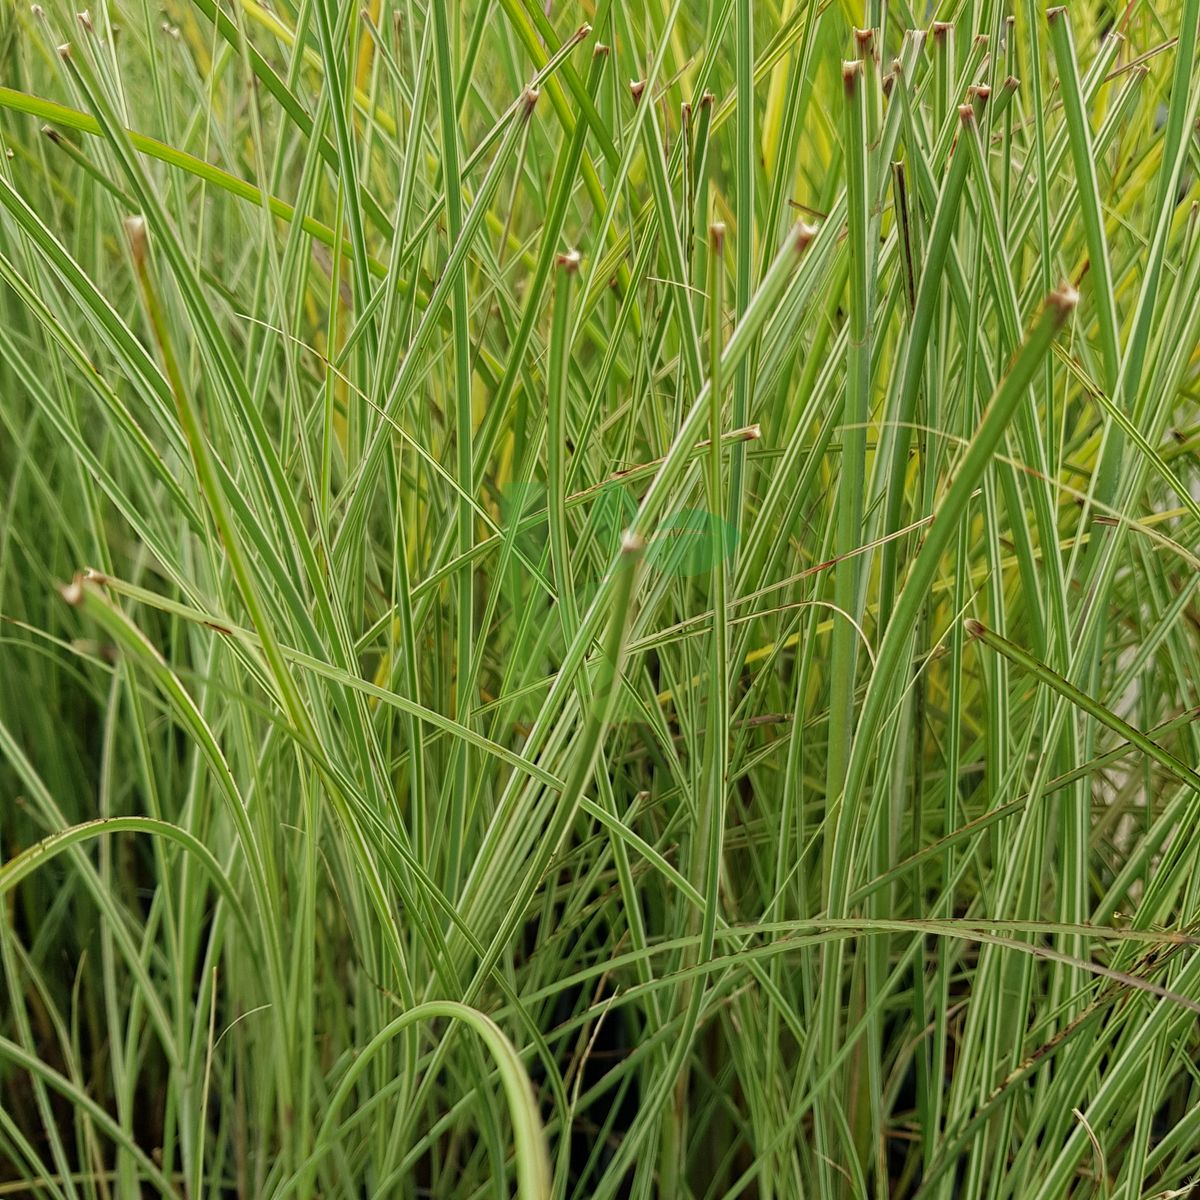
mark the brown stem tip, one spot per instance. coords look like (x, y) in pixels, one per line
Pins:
(135, 231)
(1063, 300)
(72, 592)
(716, 235)
(974, 628)
(636, 88)
(569, 261)
(802, 235)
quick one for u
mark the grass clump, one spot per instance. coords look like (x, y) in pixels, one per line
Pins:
(596, 638)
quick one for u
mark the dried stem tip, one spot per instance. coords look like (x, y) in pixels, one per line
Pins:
(1063, 300)
(716, 236)
(135, 231)
(72, 592)
(569, 261)
(802, 235)
(636, 88)
(850, 72)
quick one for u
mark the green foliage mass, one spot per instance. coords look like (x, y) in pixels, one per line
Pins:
(599, 600)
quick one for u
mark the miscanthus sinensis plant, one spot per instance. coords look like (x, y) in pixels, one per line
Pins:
(599, 600)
